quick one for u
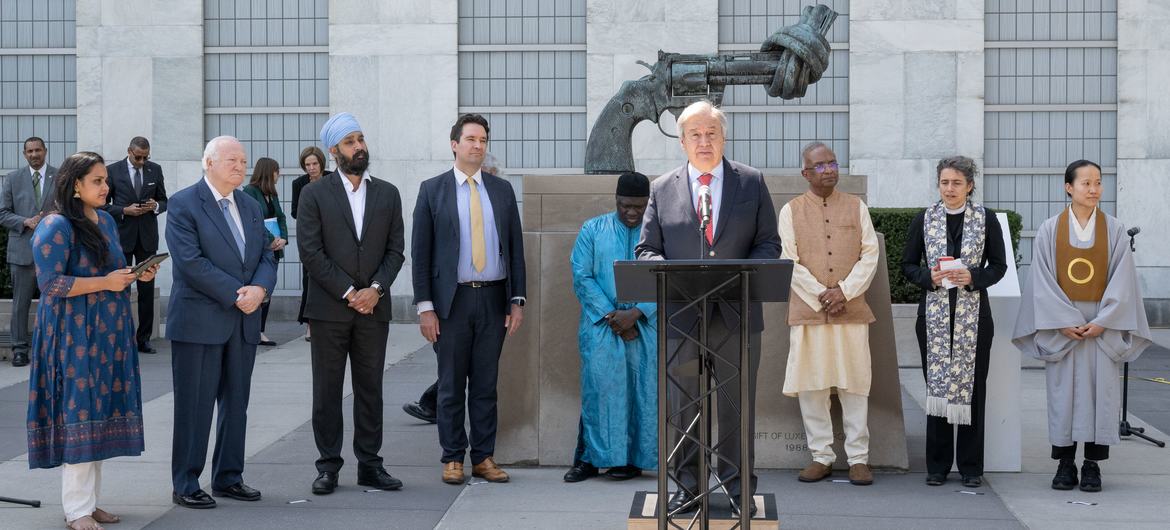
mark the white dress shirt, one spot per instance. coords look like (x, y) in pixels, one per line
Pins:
(716, 190)
(357, 207)
(232, 207)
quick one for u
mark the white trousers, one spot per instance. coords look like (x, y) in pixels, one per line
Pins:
(80, 486)
(818, 425)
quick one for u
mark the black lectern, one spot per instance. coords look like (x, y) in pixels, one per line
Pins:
(685, 288)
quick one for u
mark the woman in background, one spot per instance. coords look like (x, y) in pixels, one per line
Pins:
(954, 325)
(84, 401)
(313, 164)
(1081, 312)
(262, 187)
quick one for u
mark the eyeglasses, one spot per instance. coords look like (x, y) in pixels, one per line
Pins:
(143, 158)
(823, 167)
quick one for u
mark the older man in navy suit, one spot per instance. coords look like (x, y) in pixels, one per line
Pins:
(223, 269)
(743, 225)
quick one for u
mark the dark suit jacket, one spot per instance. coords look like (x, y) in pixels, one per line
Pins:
(298, 184)
(337, 257)
(434, 248)
(208, 269)
(140, 231)
(746, 227)
(17, 203)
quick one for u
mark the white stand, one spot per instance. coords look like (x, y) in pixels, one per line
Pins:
(1002, 441)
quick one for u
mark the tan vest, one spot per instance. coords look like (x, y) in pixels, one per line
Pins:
(828, 241)
(1082, 273)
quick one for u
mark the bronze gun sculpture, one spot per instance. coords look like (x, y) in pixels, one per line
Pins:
(791, 59)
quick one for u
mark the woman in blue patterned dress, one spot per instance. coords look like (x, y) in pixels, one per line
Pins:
(84, 403)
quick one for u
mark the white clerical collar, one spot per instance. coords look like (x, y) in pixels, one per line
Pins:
(956, 210)
(1084, 233)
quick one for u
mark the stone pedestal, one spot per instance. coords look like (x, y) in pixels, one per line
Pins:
(539, 386)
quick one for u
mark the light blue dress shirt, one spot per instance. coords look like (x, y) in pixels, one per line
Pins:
(493, 269)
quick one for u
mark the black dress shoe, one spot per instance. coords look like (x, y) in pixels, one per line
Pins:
(936, 479)
(681, 498)
(972, 481)
(325, 484)
(419, 411)
(581, 471)
(735, 504)
(378, 478)
(238, 491)
(624, 472)
(268, 343)
(1090, 477)
(20, 359)
(144, 347)
(199, 500)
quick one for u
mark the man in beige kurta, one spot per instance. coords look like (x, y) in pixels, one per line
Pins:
(830, 239)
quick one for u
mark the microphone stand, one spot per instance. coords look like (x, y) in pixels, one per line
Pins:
(1126, 429)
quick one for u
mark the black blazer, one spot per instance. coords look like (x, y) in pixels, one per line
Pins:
(298, 184)
(334, 254)
(434, 248)
(141, 231)
(746, 228)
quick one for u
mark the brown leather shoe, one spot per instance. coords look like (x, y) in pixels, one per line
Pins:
(815, 472)
(860, 475)
(489, 471)
(453, 473)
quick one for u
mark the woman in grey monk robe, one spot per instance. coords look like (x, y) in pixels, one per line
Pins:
(1081, 312)
(954, 324)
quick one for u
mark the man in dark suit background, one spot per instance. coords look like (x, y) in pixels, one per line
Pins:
(743, 225)
(223, 269)
(26, 194)
(468, 273)
(351, 240)
(137, 196)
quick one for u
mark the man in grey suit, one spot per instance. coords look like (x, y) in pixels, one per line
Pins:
(22, 205)
(743, 226)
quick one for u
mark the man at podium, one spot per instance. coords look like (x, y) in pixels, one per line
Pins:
(742, 226)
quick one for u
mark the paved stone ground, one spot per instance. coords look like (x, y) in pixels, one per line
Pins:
(281, 453)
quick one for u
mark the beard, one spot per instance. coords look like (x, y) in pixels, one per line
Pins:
(356, 165)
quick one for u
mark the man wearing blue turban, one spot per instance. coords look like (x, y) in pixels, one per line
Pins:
(351, 260)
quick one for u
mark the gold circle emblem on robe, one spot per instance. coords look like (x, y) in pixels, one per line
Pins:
(1084, 279)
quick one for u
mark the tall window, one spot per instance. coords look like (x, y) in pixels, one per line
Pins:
(768, 132)
(38, 79)
(1051, 93)
(266, 82)
(522, 65)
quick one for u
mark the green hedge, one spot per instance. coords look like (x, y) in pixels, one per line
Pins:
(894, 223)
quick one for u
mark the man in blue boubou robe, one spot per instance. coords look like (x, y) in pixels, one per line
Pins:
(618, 428)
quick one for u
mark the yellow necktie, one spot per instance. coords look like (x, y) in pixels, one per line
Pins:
(478, 247)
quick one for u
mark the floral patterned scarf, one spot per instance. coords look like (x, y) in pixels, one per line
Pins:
(951, 363)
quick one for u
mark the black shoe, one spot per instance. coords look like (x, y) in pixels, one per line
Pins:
(1090, 477)
(144, 347)
(624, 472)
(735, 504)
(681, 498)
(268, 343)
(1066, 475)
(419, 411)
(580, 471)
(238, 491)
(199, 500)
(325, 484)
(378, 478)
(936, 479)
(972, 481)
(20, 359)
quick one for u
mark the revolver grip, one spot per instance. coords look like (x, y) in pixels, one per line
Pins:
(608, 150)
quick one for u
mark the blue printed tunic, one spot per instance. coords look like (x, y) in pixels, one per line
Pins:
(619, 379)
(84, 402)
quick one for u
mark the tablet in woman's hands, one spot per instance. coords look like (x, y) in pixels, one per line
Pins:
(145, 265)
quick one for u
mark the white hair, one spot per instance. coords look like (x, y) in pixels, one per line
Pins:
(211, 152)
(701, 108)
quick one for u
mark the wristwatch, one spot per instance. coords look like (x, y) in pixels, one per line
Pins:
(378, 287)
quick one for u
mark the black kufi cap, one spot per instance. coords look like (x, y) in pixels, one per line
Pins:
(633, 185)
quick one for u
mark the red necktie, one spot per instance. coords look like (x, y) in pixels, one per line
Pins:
(705, 180)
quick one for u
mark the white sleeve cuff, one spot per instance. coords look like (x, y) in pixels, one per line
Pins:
(423, 307)
(347, 291)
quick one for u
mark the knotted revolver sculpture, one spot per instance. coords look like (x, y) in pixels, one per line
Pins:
(792, 58)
